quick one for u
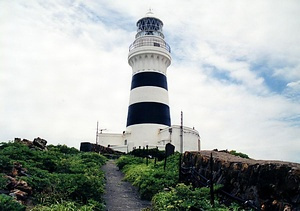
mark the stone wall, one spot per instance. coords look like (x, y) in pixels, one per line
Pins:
(90, 147)
(269, 185)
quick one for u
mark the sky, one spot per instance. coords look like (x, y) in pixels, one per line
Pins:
(235, 70)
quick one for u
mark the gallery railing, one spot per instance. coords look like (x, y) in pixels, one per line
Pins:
(150, 41)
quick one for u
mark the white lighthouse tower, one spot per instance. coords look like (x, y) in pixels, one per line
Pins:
(148, 119)
(149, 56)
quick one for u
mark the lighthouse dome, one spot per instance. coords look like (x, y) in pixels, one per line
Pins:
(150, 14)
(149, 25)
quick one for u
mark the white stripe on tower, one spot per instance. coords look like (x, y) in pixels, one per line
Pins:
(149, 94)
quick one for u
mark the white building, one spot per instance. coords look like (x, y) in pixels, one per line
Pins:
(148, 119)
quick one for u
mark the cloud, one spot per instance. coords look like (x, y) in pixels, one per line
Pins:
(295, 84)
(234, 72)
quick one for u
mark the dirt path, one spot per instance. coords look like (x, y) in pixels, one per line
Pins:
(120, 195)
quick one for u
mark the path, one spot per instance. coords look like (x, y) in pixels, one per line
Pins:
(120, 195)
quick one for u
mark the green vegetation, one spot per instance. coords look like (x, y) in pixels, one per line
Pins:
(162, 187)
(3, 181)
(150, 179)
(8, 203)
(154, 153)
(184, 197)
(127, 160)
(68, 206)
(61, 178)
(240, 154)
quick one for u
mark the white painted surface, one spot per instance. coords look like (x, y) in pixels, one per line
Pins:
(149, 94)
(106, 139)
(149, 57)
(153, 135)
(140, 135)
(191, 138)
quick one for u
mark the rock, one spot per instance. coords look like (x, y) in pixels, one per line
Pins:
(90, 147)
(22, 185)
(24, 141)
(40, 143)
(11, 182)
(18, 170)
(270, 185)
(18, 194)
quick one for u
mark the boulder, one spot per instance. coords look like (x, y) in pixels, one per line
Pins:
(18, 194)
(40, 143)
(24, 141)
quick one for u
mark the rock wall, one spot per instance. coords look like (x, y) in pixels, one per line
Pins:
(269, 185)
(90, 147)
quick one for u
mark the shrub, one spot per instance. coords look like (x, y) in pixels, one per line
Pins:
(242, 155)
(5, 163)
(67, 206)
(154, 152)
(128, 160)
(3, 181)
(61, 173)
(7, 203)
(184, 197)
(152, 178)
(63, 149)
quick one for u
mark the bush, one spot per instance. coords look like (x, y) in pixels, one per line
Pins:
(128, 160)
(64, 149)
(184, 197)
(59, 174)
(70, 206)
(7, 203)
(153, 153)
(5, 163)
(3, 181)
(152, 178)
(242, 155)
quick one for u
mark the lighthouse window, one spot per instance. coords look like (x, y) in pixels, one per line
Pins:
(156, 44)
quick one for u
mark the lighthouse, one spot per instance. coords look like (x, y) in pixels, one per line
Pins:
(148, 117)
(149, 56)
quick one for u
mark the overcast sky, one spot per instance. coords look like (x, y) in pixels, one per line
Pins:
(235, 70)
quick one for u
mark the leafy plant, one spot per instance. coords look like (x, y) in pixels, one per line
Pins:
(184, 197)
(61, 178)
(3, 181)
(7, 203)
(242, 155)
(152, 178)
(68, 206)
(128, 160)
(154, 152)
(153, 181)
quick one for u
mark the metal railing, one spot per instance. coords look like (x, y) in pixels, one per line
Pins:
(150, 41)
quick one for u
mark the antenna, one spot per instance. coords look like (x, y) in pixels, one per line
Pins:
(97, 134)
(181, 133)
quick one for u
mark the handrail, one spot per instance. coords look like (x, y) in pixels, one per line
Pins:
(150, 41)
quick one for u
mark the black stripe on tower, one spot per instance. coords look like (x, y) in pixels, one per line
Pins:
(148, 112)
(149, 79)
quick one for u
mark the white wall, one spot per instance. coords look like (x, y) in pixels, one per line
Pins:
(149, 134)
(191, 138)
(111, 139)
(143, 134)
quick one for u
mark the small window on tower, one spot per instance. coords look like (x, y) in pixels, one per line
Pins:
(125, 142)
(156, 44)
